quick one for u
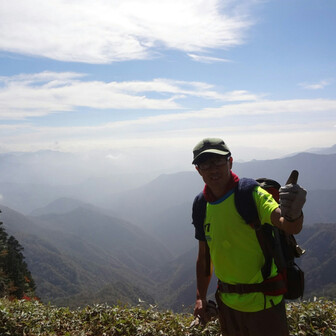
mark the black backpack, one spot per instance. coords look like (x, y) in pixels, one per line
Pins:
(275, 244)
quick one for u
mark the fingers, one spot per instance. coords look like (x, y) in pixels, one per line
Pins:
(292, 199)
(199, 309)
(289, 192)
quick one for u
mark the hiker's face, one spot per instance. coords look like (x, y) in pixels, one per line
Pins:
(215, 171)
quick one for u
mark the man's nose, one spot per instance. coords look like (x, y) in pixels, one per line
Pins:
(213, 166)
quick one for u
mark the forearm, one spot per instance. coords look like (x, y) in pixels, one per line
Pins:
(290, 227)
(202, 279)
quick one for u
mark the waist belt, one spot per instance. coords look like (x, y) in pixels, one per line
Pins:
(273, 286)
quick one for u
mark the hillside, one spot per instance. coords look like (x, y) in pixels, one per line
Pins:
(320, 206)
(69, 256)
(177, 278)
(319, 262)
(161, 195)
(118, 238)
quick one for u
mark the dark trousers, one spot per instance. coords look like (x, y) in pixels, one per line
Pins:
(268, 322)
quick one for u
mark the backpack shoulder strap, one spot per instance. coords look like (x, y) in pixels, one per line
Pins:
(198, 215)
(246, 207)
(244, 201)
(199, 209)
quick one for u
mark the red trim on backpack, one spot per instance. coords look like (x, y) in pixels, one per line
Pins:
(274, 192)
(281, 277)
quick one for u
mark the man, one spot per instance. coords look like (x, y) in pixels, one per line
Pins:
(235, 252)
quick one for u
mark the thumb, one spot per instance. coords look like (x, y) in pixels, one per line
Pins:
(293, 177)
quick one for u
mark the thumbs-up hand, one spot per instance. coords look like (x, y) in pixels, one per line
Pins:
(292, 198)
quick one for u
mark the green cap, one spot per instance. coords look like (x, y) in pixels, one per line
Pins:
(210, 145)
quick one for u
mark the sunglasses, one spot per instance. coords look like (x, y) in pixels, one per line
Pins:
(217, 162)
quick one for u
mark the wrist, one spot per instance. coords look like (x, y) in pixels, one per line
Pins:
(201, 298)
(295, 219)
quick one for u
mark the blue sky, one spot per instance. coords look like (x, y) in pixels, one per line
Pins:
(149, 79)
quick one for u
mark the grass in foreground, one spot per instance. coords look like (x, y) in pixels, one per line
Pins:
(31, 318)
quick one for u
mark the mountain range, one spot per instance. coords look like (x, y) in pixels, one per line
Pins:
(139, 243)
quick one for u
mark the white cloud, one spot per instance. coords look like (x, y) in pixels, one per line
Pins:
(105, 31)
(267, 107)
(41, 94)
(36, 95)
(47, 76)
(207, 59)
(197, 89)
(316, 86)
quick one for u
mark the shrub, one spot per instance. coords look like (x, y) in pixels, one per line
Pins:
(32, 318)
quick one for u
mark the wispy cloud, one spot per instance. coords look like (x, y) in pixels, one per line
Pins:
(184, 88)
(207, 59)
(36, 95)
(315, 86)
(107, 31)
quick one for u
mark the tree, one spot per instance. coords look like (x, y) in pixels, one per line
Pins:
(3, 254)
(15, 278)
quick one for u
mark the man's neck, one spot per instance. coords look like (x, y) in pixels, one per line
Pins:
(219, 191)
(215, 193)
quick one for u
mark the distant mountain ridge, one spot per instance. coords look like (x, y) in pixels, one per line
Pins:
(321, 150)
(28, 184)
(64, 205)
(316, 170)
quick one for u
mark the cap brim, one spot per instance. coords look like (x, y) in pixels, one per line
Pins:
(210, 151)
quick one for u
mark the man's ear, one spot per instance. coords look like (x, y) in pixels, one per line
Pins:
(230, 162)
(199, 172)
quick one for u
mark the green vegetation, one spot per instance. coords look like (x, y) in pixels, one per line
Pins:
(15, 279)
(30, 318)
(312, 318)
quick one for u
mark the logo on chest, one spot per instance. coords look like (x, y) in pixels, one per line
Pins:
(207, 231)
